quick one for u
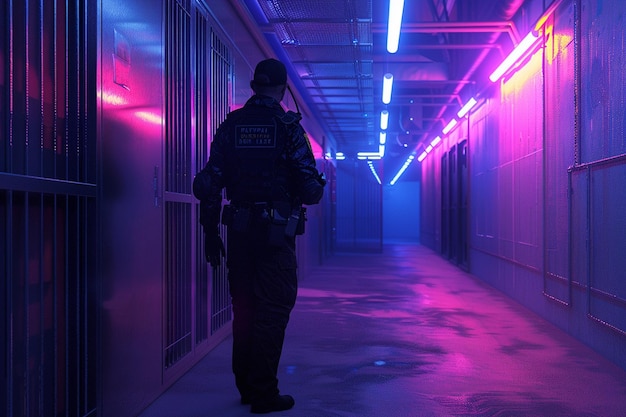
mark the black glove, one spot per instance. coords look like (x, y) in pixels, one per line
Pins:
(213, 247)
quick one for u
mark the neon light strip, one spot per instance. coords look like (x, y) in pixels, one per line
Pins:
(372, 155)
(374, 171)
(449, 126)
(435, 141)
(387, 86)
(393, 25)
(404, 167)
(384, 120)
(519, 50)
(468, 106)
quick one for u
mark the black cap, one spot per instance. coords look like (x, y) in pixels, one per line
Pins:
(270, 72)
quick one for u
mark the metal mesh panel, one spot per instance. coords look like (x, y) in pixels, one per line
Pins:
(201, 134)
(603, 80)
(607, 297)
(221, 68)
(46, 133)
(177, 101)
(48, 209)
(315, 9)
(608, 199)
(51, 294)
(177, 281)
(178, 278)
(359, 211)
(603, 158)
(331, 69)
(325, 53)
(559, 155)
(317, 33)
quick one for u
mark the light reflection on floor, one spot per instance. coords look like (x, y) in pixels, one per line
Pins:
(379, 336)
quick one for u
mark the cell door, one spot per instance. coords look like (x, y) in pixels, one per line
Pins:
(132, 119)
(48, 209)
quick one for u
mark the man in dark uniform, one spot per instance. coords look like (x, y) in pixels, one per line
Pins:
(260, 154)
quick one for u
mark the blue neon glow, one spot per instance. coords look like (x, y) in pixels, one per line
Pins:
(396, 8)
(401, 171)
(387, 87)
(371, 165)
(384, 120)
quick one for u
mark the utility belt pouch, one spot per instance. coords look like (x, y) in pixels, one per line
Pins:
(301, 221)
(237, 218)
(228, 212)
(295, 223)
(279, 218)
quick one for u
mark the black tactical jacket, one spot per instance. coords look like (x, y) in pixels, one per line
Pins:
(260, 153)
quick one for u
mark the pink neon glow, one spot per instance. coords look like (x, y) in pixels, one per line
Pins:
(149, 117)
(435, 141)
(449, 127)
(467, 107)
(315, 146)
(422, 156)
(113, 99)
(519, 50)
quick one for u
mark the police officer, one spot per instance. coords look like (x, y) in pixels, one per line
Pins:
(260, 154)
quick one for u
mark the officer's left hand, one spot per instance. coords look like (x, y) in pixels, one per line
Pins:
(213, 248)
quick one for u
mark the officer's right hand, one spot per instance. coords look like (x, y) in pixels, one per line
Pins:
(213, 247)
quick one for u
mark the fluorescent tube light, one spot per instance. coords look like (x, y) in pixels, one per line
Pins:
(468, 106)
(383, 138)
(396, 8)
(404, 167)
(422, 156)
(374, 171)
(435, 141)
(519, 50)
(449, 126)
(387, 86)
(384, 120)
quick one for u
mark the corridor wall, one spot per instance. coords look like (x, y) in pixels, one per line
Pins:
(547, 168)
(107, 110)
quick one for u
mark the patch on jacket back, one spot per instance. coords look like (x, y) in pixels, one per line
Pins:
(255, 136)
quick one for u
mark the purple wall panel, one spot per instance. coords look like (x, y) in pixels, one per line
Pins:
(547, 193)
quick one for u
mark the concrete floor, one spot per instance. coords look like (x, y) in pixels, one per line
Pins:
(407, 334)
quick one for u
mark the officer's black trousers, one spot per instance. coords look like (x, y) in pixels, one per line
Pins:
(263, 286)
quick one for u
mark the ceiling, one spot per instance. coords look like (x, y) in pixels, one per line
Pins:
(337, 49)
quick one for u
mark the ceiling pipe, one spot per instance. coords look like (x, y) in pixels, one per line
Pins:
(458, 27)
(510, 8)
